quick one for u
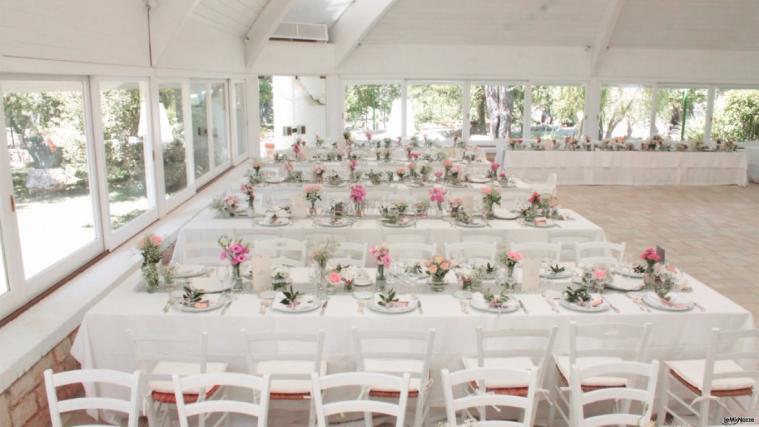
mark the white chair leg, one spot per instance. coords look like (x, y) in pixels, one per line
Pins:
(368, 422)
(703, 413)
(311, 414)
(661, 411)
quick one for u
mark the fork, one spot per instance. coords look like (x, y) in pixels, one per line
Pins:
(464, 306)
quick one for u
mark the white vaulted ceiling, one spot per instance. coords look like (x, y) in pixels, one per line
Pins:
(231, 16)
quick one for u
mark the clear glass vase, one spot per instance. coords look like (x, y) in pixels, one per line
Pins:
(150, 276)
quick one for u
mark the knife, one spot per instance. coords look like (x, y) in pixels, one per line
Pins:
(324, 307)
(521, 304)
(226, 306)
(419, 306)
(166, 307)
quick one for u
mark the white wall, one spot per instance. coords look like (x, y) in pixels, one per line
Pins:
(294, 107)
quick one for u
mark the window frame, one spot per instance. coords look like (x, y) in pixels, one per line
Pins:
(238, 157)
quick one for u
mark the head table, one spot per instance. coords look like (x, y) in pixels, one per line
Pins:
(102, 341)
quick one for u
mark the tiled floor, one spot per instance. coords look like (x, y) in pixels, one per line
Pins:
(710, 232)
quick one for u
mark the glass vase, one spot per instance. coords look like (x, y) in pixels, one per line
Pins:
(236, 278)
(150, 276)
(437, 284)
(380, 278)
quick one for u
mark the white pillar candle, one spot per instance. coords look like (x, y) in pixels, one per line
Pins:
(261, 269)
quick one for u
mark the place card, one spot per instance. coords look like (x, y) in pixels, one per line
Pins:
(299, 208)
(467, 202)
(530, 274)
(261, 269)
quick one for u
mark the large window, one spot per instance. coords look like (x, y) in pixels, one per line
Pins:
(50, 163)
(373, 108)
(241, 118)
(220, 128)
(200, 129)
(736, 115)
(496, 111)
(557, 111)
(173, 137)
(123, 108)
(434, 110)
(681, 113)
(625, 112)
(265, 113)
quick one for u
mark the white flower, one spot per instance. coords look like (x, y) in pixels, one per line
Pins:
(349, 274)
(280, 272)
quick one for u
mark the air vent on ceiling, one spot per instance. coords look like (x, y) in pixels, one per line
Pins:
(301, 31)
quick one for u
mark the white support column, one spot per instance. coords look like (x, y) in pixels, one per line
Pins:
(465, 110)
(592, 108)
(254, 117)
(335, 107)
(709, 116)
(404, 110)
(527, 119)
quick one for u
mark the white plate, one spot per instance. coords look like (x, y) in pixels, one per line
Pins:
(479, 303)
(682, 302)
(403, 223)
(583, 308)
(625, 284)
(549, 223)
(281, 222)
(412, 304)
(339, 223)
(505, 213)
(546, 273)
(479, 179)
(362, 280)
(627, 271)
(188, 271)
(277, 180)
(308, 303)
(476, 223)
(215, 302)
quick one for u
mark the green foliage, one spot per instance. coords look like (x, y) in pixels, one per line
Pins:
(559, 108)
(369, 106)
(439, 104)
(266, 102)
(739, 119)
(678, 106)
(619, 104)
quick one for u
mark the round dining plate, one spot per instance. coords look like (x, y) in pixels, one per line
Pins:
(215, 302)
(479, 179)
(403, 223)
(338, 223)
(504, 213)
(476, 223)
(677, 302)
(584, 308)
(479, 303)
(548, 224)
(409, 306)
(625, 284)
(307, 303)
(281, 222)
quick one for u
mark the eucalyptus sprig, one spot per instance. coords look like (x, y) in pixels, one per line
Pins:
(557, 268)
(579, 295)
(496, 300)
(387, 298)
(290, 296)
(192, 296)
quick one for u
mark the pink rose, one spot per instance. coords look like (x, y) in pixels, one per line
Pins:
(487, 191)
(516, 256)
(334, 278)
(599, 274)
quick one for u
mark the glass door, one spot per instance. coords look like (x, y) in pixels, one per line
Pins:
(240, 119)
(50, 227)
(175, 134)
(122, 127)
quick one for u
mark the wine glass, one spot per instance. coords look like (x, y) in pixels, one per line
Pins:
(222, 274)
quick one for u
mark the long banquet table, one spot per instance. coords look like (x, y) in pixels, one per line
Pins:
(629, 168)
(102, 341)
(206, 225)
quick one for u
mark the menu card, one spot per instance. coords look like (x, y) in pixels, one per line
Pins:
(530, 274)
(299, 208)
(261, 268)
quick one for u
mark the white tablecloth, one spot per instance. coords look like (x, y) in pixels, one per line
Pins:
(207, 226)
(630, 168)
(102, 343)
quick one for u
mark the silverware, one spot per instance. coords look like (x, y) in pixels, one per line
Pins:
(521, 304)
(639, 302)
(324, 307)
(419, 306)
(167, 306)
(264, 307)
(616, 310)
(699, 306)
(551, 303)
(226, 306)
(464, 308)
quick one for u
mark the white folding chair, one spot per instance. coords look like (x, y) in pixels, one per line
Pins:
(412, 252)
(161, 356)
(538, 250)
(283, 251)
(729, 372)
(129, 407)
(478, 253)
(633, 404)
(376, 353)
(258, 386)
(290, 359)
(254, 236)
(353, 254)
(199, 248)
(365, 381)
(405, 238)
(481, 399)
(546, 188)
(593, 253)
(597, 344)
(568, 241)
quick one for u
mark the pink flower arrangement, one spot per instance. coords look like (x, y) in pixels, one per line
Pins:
(438, 174)
(256, 165)
(447, 164)
(358, 193)
(353, 164)
(437, 194)
(487, 190)
(494, 166)
(381, 254)
(599, 274)
(150, 249)
(289, 167)
(234, 251)
(296, 148)
(650, 254)
(511, 258)
(534, 198)
(401, 172)
(414, 155)
(334, 278)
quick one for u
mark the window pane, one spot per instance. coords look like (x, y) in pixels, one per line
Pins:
(125, 123)
(46, 138)
(681, 114)
(241, 118)
(200, 129)
(265, 113)
(373, 108)
(220, 132)
(736, 115)
(625, 112)
(171, 115)
(435, 110)
(557, 111)
(496, 111)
